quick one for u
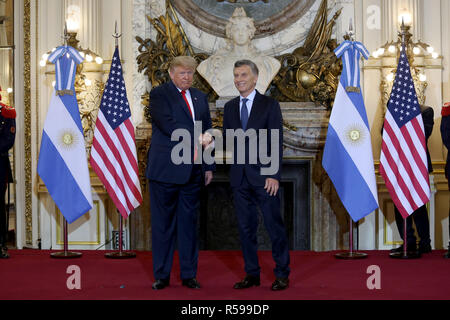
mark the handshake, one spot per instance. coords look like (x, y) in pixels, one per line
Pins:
(206, 140)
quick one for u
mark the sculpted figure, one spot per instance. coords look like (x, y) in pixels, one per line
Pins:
(218, 69)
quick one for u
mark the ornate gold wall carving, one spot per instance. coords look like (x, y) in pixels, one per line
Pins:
(89, 98)
(154, 56)
(27, 122)
(311, 73)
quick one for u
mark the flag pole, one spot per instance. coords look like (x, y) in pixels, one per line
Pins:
(66, 254)
(119, 254)
(405, 242)
(350, 255)
(405, 254)
(66, 34)
(120, 233)
(447, 255)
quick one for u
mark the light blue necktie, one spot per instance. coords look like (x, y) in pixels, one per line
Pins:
(244, 114)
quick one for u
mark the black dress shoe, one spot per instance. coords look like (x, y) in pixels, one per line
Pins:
(4, 253)
(280, 284)
(191, 283)
(160, 284)
(410, 248)
(425, 249)
(249, 281)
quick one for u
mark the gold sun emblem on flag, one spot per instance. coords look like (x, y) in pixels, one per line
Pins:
(68, 139)
(355, 134)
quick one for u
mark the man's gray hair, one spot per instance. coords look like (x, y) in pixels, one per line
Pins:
(183, 61)
(249, 63)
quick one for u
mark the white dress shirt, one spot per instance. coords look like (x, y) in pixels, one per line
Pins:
(189, 99)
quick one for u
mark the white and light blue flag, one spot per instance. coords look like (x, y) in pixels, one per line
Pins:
(62, 163)
(348, 157)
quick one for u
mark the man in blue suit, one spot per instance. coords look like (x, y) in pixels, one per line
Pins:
(252, 183)
(174, 186)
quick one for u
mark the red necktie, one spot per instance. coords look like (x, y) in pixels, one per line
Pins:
(183, 93)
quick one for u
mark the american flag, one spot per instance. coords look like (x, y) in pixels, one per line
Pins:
(403, 161)
(113, 153)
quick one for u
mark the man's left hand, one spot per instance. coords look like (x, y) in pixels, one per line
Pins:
(208, 177)
(205, 140)
(272, 186)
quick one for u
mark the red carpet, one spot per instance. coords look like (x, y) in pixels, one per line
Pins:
(33, 275)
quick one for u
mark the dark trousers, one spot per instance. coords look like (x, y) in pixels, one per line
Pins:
(448, 181)
(422, 223)
(174, 217)
(246, 200)
(3, 222)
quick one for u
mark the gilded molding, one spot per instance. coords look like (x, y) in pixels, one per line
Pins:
(37, 83)
(59, 233)
(27, 122)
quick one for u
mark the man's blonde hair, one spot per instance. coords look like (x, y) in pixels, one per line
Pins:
(183, 61)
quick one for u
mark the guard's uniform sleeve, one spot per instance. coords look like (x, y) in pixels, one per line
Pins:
(7, 133)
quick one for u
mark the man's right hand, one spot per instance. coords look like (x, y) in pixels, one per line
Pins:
(272, 186)
(205, 140)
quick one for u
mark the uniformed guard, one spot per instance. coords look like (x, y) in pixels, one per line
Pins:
(7, 136)
(445, 134)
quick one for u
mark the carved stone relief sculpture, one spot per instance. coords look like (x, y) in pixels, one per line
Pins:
(218, 69)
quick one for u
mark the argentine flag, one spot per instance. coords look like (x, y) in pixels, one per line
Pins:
(347, 156)
(62, 163)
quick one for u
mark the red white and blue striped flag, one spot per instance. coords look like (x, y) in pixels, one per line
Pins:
(113, 153)
(403, 161)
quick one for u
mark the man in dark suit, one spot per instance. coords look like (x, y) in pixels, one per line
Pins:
(254, 186)
(445, 134)
(174, 184)
(420, 216)
(7, 136)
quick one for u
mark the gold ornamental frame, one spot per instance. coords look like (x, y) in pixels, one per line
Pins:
(27, 122)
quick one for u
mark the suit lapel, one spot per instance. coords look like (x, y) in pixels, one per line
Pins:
(257, 110)
(195, 102)
(236, 112)
(179, 99)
